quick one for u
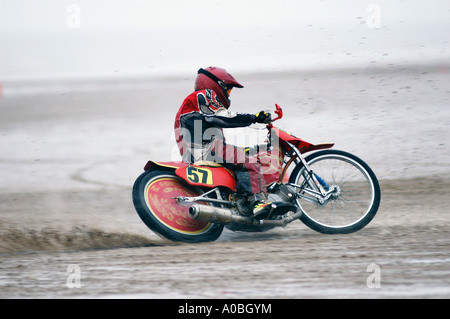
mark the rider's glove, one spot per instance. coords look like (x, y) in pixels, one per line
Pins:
(263, 117)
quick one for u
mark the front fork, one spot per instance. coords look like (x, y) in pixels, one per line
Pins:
(318, 187)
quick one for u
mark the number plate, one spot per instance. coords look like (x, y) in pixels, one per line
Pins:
(198, 175)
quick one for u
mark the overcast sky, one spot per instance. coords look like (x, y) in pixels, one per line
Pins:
(49, 38)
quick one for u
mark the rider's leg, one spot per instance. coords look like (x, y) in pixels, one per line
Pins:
(248, 174)
(248, 170)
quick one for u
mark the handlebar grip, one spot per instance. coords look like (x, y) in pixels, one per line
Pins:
(279, 112)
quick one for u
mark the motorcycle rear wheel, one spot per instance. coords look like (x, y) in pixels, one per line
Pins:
(153, 193)
(356, 196)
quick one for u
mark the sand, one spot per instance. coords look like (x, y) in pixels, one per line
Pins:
(69, 158)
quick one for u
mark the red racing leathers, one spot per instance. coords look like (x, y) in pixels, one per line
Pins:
(199, 127)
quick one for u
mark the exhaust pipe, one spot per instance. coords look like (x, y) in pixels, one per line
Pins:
(217, 215)
(225, 216)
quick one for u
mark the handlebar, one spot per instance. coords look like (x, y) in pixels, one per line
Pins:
(279, 112)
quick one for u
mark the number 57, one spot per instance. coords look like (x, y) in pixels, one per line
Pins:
(199, 175)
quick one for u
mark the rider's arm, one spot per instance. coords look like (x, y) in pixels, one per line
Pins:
(226, 119)
(240, 120)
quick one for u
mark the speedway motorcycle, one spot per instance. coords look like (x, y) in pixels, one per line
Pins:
(330, 191)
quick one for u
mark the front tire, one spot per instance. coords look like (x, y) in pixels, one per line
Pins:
(355, 195)
(153, 194)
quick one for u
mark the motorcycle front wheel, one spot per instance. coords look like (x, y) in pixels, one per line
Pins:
(154, 194)
(352, 192)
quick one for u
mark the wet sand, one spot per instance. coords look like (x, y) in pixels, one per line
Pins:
(69, 159)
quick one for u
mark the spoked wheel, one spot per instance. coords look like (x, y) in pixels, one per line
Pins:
(153, 198)
(339, 195)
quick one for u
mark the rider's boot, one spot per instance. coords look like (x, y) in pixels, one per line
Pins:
(263, 208)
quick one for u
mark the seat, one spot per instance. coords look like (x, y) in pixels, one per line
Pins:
(207, 163)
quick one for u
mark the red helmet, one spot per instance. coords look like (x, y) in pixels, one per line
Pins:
(218, 80)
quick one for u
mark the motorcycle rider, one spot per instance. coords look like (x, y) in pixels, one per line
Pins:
(199, 127)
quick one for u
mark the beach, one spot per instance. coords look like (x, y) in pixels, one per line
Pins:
(71, 150)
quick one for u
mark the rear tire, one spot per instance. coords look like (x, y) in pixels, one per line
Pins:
(152, 198)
